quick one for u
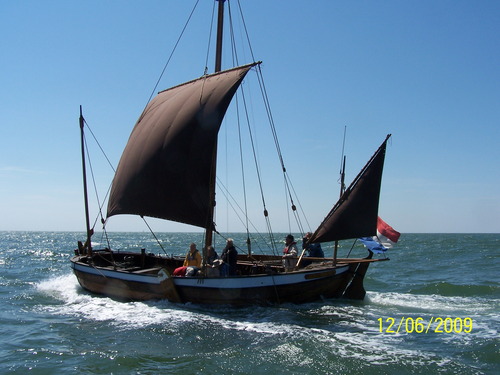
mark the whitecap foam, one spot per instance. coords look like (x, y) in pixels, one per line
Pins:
(483, 312)
(424, 302)
(355, 323)
(133, 315)
(64, 288)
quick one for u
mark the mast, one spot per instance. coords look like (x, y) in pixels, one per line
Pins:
(85, 195)
(220, 29)
(218, 66)
(342, 189)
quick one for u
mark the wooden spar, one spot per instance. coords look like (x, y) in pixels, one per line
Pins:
(342, 177)
(85, 195)
(220, 27)
(209, 226)
(218, 66)
(342, 189)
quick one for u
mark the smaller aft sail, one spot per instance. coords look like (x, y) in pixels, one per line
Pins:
(355, 214)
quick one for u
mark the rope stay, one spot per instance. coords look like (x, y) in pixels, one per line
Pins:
(289, 189)
(172, 53)
(209, 38)
(100, 204)
(238, 210)
(154, 235)
(242, 166)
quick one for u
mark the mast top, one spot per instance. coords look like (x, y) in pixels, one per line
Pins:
(220, 28)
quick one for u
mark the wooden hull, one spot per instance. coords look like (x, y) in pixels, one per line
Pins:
(294, 287)
(300, 286)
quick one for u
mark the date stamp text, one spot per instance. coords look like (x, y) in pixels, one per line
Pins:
(421, 325)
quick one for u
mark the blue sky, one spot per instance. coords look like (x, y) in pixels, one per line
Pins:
(428, 72)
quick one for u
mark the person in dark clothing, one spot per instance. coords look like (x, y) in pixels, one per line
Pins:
(229, 257)
(211, 255)
(313, 249)
(213, 263)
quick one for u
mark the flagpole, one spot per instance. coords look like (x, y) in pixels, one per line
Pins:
(342, 189)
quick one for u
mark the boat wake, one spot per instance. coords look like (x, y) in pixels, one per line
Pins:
(449, 289)
(418, 303)
(132, 315)
(351, 331)
(483, 311)
(74, 300)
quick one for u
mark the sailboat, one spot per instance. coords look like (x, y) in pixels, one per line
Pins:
(168, 171)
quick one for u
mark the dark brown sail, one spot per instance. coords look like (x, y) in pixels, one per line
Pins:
(164, 171)
(355, 214)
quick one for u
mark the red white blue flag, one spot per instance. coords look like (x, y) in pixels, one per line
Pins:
(386, 234)
(385, 239)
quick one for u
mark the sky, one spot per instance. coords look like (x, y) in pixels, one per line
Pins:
(426, 72)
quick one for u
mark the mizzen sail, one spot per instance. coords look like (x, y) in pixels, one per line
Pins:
(355, 214)
(164, 171)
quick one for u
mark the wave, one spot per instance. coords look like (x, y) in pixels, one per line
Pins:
(280, 334)
(448, 289)
(133, 315)
(434, 304)
(286, 334)
(75, 300)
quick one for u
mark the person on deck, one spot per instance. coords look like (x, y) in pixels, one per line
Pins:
(229, 257)
(290, 253)
(213, 263)
(193, 257)
(211, 255)
(313, 249)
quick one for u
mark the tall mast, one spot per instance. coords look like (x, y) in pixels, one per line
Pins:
(85, 195)
(220, 29)
(218, 66)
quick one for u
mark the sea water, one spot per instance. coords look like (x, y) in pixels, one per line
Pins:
(433, 308)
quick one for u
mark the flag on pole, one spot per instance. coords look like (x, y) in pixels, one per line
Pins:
(386, 234)
(372, 244)
(385, 239)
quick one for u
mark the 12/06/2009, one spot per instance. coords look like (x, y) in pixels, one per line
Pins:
(420, 325)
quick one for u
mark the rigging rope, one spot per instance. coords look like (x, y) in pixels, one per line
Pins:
(93, 183)
(232, 203)
(100, 206)
(246, 31)
(235, 63)
(173, 50)
(243, 174)
(287, 181)
(154, 235)
(98, 144)
(259, 177)
(210, 38)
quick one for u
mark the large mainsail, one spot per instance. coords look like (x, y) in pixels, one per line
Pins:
(355, 214)
(165, 169)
